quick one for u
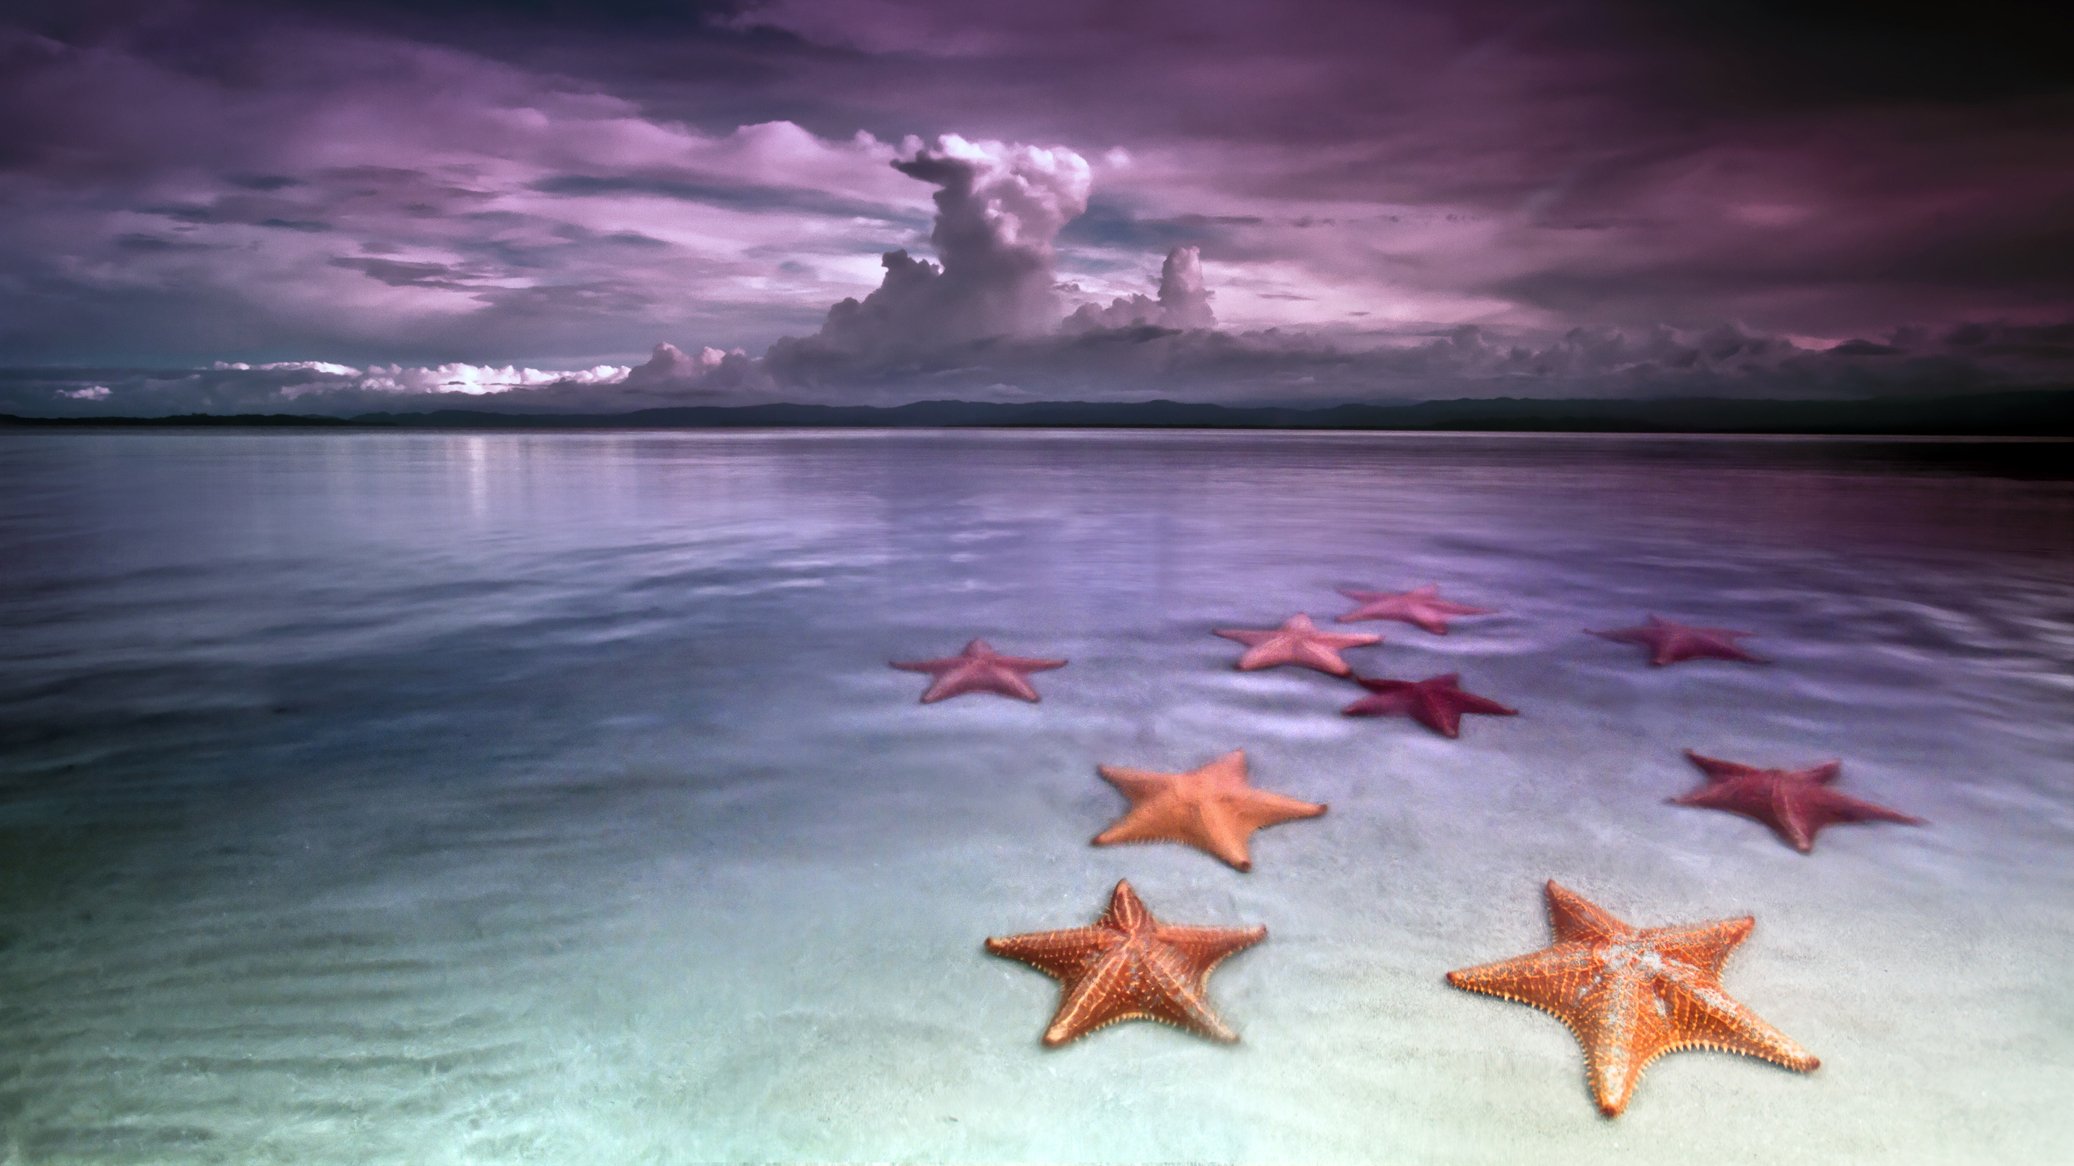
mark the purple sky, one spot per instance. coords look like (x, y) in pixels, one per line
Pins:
(391, 202)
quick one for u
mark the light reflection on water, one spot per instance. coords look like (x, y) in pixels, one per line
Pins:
(435, 797)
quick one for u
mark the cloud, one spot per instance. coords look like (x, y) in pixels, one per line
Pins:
(1184, 300)
(998, 209)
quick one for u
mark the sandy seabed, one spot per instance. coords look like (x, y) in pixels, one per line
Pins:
(546, 798)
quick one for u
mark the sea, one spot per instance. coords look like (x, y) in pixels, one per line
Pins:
(546, 797)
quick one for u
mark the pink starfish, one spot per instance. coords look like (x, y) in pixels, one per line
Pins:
(1670, 642)
(1436, 702)
(1796, 803)
(1422, 606)
(1298, 641)
(979, 668)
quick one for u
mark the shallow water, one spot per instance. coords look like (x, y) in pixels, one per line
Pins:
(546, 797)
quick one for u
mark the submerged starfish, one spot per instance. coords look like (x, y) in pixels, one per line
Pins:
(1633, 994)
(1130, 966)
(1670, 642)
(1436, 702)
(1421, 606)
(979, 668)
(1298, 641)
(1796, 803)
(1211, 808)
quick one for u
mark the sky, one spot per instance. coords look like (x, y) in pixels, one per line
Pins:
(346, 206)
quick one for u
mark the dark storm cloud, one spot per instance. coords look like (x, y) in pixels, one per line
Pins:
(468, 180)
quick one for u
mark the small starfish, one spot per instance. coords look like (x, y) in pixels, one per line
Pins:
(1421, 606)
(1211, 808)
(1436, 702)
(1796, 803)
(1670, 642)
(1130, 966)
(1298, 641)
(1632, 994)
(979, 668)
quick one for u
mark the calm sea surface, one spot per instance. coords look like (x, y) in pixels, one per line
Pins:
(430, 798)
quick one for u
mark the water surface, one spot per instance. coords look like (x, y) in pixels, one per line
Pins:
(373, 797)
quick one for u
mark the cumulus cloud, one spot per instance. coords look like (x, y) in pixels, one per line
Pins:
(1184, 300)
(998, 209)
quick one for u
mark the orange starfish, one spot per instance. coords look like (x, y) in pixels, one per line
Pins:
(1130, 966)
(1632, 994)
(1211, 808)
(1298, 641)
(1668, 642)
(979, 668)
(1795, 803)
(1421, 606)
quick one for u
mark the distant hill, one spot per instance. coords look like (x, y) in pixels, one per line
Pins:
(2027, 413)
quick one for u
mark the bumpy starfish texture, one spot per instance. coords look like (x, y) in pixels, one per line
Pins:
(979, 668)
(1211, 808)
(1668, 642)
(1130, 966)
(1298, 641)
(1795, 803)
(1421, 606)
(1632, 994)
(1436, 702)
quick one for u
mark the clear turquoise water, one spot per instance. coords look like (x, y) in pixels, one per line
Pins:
(546, 798)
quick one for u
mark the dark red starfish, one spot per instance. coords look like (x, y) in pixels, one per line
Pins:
(1436, 702)
(1794, 802)
(1670, 642)
(979, 668)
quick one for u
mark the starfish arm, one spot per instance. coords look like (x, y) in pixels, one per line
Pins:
(930, 666)
(1058, 954)
(1126, 911)
(1621, 1031)
(1206, 947)
(1825, 773)
(1008, 683)
(1266, 808)
(1550, 979)
(1703, 1015)
(1719, 770)
(1322, 657)
(1342, 640)
(1095, 1000)
(1576, 919)
(1138, 785)
(1436, 713)
(1223, 834)
(1265, 655)
(1153, 822)
(1702, 945)
(1179, 997)
(1835, 807)
(1251, 639)
(1029, 663)
(1472, 703)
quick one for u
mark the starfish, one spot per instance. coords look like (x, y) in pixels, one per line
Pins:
(1670, 642)
(979, 668)
(1632, 994)
(1796, 803)
(1298, 641)
(1436, 702)
(1130, 966)
(1422, 606)
(1211, 808)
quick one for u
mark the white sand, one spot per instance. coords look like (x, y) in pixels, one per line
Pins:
(631, 849)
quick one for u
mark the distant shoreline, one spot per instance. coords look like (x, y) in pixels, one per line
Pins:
(2036, 413)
